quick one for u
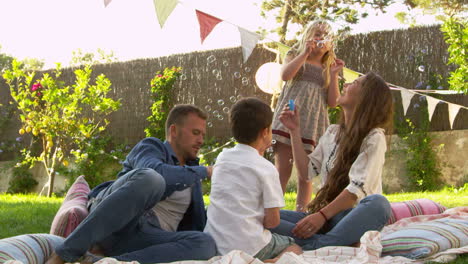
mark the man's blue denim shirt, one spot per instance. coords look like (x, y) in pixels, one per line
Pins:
(153, 153)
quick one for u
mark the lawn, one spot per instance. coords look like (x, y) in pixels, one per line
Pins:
(24, 214)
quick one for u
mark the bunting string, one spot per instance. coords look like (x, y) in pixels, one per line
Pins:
(250, 39)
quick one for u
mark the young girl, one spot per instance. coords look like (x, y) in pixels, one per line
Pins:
(349, 158)
(311, 71)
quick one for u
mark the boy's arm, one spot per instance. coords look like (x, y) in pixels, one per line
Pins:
(272, 217)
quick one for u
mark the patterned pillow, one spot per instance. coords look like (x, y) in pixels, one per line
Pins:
(73, 209)
(29, 249)
(414, 207)
(423, 239)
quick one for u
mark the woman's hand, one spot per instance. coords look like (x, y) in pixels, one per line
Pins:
(290, 119)
(336, 67)
(309, 225)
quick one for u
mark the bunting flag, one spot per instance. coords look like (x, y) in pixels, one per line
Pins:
(350, 75)
(163, 9)
(431, 105)
(207, 23)
(248, 41)
(107, 2)
(283, 50)
(453, 112)
(406, 99)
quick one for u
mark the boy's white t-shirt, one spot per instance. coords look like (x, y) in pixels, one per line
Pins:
(243, 184)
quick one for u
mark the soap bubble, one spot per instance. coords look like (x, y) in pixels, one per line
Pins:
(211, 59)
(247, 69)
(421, 68)
(215, 112)
(183, 76)
(209, 124)
(220, 102)
(209, 100)
(239, 97)
(220, 117)
(207, 108)
(225, 63)
(215, 72)
(237, 75)
(226, 109)
(219, 77)
(273, 141)
(232, 99)
(245, 82)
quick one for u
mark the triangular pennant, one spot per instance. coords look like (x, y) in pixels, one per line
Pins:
(431, 105)
(283, 49)
(164, 9)
(453, 112)
(350, 75)
(207, 23)
(406, 99)
(248, 41)
(107, 2)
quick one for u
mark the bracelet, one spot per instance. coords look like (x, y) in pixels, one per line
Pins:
(324, 216)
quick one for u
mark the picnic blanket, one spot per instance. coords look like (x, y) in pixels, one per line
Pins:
(370, 250)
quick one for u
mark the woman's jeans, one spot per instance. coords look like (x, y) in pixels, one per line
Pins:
(122, 224)
(345, 228)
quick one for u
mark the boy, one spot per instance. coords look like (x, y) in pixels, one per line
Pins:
(246, 193)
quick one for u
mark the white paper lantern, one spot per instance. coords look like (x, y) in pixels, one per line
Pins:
(268, 77)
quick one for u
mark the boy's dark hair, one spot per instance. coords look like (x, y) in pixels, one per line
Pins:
(179, 112)
(248, 117)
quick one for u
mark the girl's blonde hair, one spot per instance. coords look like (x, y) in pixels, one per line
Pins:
(329, 57)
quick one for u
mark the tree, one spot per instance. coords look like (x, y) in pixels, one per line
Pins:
(89, 58)
(59, 116)
(5, 60)
(456, 36)
(32, 64)
(303, 11)
(453, 14)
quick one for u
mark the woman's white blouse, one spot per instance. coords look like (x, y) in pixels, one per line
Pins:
(365, 175)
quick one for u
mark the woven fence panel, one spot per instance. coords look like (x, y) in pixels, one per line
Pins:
(215, 79)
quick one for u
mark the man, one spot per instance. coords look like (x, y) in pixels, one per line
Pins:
(141, 215)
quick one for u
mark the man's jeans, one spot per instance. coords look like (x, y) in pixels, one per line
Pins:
(343, 229)
(122, 224)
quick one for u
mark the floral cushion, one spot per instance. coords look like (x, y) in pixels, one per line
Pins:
(73, 210)
(413, 208)
(423, 239)
(28, 249)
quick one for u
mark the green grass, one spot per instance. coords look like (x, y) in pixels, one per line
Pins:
(25, 214)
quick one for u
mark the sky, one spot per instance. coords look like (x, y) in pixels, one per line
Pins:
(51, 29)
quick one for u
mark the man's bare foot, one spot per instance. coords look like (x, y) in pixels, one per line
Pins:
(55, 259)
(90, 258)
(356, 245)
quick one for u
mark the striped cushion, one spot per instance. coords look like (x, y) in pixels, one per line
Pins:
(73, 209)
(414, 207)
(29, 249)
(423, 239)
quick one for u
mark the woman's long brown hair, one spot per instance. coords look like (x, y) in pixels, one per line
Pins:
(374, 109)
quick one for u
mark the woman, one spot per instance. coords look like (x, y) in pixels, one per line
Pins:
(349, 158)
